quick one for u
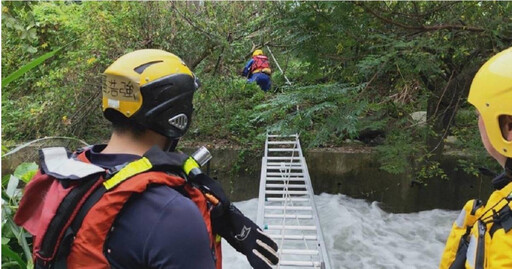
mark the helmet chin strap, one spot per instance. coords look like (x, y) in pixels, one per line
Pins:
(504, 178)
(171, 144)
(508, 167)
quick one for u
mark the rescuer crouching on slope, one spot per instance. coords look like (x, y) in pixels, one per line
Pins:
(481, 237)
(134, 203)
(258, 69)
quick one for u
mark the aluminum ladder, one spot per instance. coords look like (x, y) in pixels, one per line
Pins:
(286, 209)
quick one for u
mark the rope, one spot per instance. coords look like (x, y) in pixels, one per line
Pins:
(18, 148)
(278, 66)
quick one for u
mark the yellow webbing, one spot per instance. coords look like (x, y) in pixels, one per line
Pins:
(189, 165)
(128, 171)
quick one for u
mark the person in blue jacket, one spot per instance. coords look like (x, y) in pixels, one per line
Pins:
(258, 69)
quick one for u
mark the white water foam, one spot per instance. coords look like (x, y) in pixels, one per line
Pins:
(359, 234)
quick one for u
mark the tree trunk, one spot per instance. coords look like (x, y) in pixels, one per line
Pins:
(442, 106)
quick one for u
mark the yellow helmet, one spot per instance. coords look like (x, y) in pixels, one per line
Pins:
(152, 88)
(491, 94)
(257, 52)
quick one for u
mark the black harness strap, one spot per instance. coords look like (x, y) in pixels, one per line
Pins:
(502, 220)
(460, 256)
(64, 212)
(72, 230)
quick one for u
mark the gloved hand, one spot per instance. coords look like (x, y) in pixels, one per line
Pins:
(246, 237)
(240, 232)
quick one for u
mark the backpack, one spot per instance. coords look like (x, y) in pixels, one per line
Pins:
(66, 187)
(260, 64)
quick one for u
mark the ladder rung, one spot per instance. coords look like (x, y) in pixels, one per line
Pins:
(282, 149)
(288, 216)
(300, 251)
(284, 174)
(277, 207)
(293, 237)
(292, 199)
(281, 135)
(283, 158)
(314, 264)
(286, 192)
(286, 179)
(285, 171)
(277, 162)
(284, 165)
(268, 185)
(291, 227)
(281, 142)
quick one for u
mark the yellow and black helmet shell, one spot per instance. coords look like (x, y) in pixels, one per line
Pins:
(151, 88)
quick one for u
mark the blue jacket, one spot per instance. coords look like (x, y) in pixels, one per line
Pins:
(247, 68)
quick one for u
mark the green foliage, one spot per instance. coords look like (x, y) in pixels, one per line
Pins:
(16, 251)
(468, 143)
(395, 154)
(225, 110)
(357, 68)
(25, 171)
(320, 114)
(24, 69)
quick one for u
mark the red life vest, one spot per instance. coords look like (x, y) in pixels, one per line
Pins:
(44, 194)
(260, 64)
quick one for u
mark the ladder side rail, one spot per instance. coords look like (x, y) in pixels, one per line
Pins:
(298, 146)
(320, 235)
(266, 148)
(261, 197)
(263, 181)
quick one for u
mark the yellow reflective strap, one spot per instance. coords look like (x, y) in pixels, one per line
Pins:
(189, 164)
(218, 238)
(128, 171)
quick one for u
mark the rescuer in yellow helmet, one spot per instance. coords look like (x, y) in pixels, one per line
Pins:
(481, 237)
(258, 69)
(133, 203)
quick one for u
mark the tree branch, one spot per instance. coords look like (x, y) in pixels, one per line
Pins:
(203, 55)
(421, 28)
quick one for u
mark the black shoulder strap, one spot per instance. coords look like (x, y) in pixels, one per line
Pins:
(59, 224)
(72, 230)
(502, 220)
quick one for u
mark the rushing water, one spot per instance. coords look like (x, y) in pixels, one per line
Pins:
(359, 234)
